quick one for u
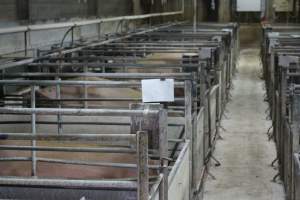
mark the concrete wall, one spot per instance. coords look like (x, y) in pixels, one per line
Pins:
(114, 8)
(37, 10)
(46, 11)
(189, 10)
(224, 10)
(8, 10)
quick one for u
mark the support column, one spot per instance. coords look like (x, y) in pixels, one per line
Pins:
(270, 12)
(224, 10)
(137, 7)
(22, 7)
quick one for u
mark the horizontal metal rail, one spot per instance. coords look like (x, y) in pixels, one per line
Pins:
(109, 84)
(56, 183)
(116, 65)
(69, 149)
(78, 112)
(178, 76)
(100, 139)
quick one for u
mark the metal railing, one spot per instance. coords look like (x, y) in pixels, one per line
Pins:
(117, 143)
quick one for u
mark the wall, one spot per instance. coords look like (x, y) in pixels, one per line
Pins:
(37, 10)
(8, 10)
(189, 10)
(114, 8)
(46, 11)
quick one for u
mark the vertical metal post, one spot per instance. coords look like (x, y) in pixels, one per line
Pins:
(188, 109)
(33, 130)
(142, 161)
(163, 154)
(183, 7)
(86, 95)
(25, 44)
(269, 10)
(3, 86)
(189, 128)
(195, 15)
(99, 31)
(58, 96)
(72, 36)
(297, 175)
(295, 138)
(156, 127)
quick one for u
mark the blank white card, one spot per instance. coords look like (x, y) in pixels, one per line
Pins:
(157, 90)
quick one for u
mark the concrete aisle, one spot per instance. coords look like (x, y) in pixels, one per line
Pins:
(245, 153)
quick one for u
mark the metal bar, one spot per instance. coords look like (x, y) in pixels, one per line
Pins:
(77, 162)
(58, 183)
(90, 163)
(101, 139)
(155, 187)
(78, 112)
(195, 15)
(163, 154)
(81, 99)
(79, 123)
(58, 96)
(119, 84)
(104, 75)
(188, 109)
(33, 130)
(117, 65)
(143, 170)
(86, 69)
(71, 123)
(68, 149)
(189, 128)
(178, 162)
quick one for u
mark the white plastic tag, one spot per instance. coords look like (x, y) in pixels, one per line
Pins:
(158, 90)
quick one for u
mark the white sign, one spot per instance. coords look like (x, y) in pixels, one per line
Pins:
(249, 5)
(158, 90)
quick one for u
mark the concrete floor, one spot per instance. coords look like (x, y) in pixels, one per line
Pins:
(245, 153)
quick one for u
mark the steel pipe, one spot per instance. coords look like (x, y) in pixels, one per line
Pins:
(58, 183)
(68, 149)
(78, 112)
(100, 139)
